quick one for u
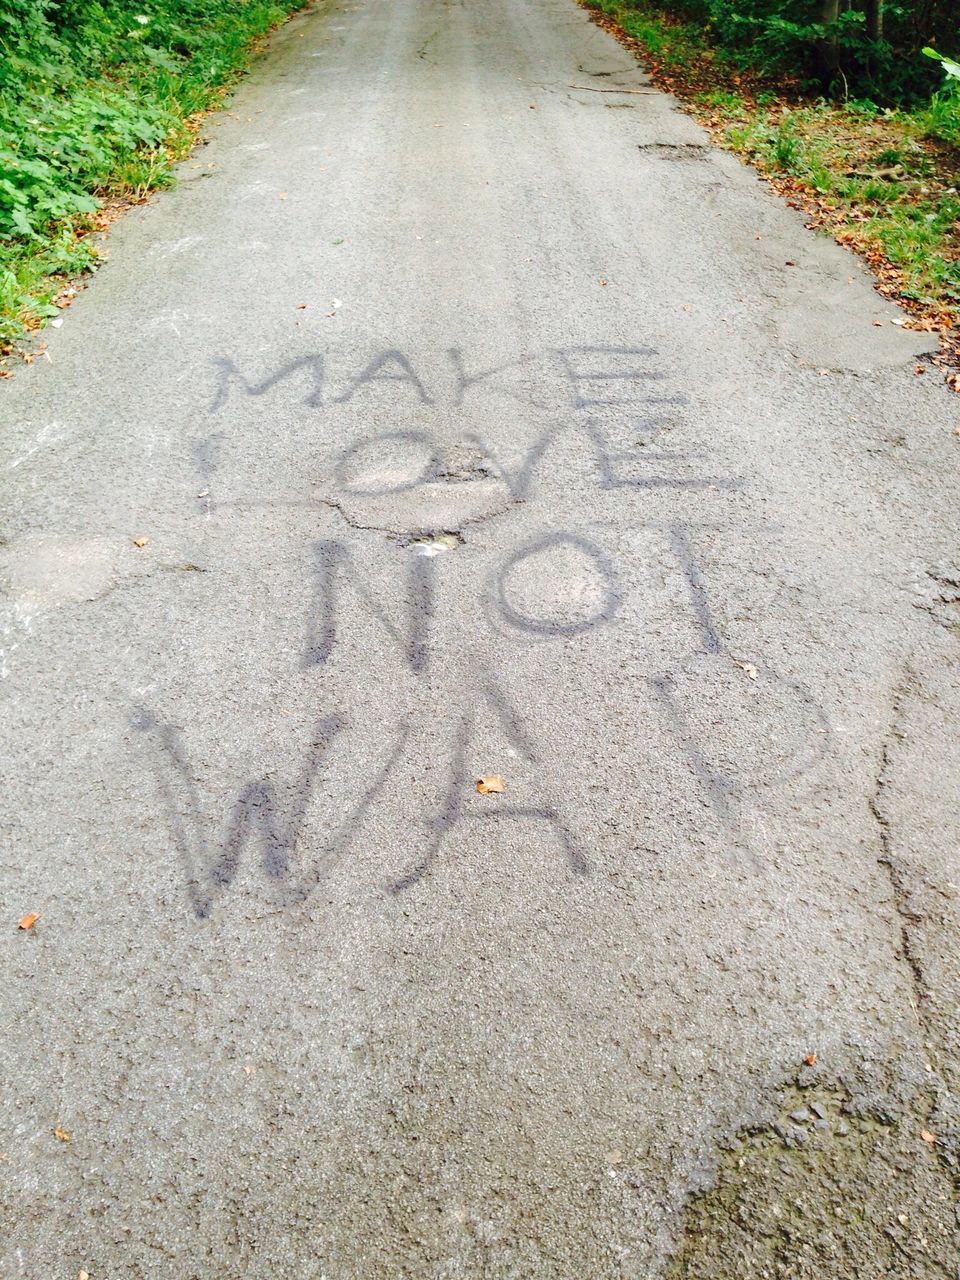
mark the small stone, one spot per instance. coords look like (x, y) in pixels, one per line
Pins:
(819, 1111)
(821, 1124)
(801, 1115)
(843, 1128)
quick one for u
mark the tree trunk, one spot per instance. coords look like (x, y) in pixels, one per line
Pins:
(829, 53)
(875, 19)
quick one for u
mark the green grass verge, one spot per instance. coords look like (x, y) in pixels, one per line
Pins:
(98, 99)
(883, 182)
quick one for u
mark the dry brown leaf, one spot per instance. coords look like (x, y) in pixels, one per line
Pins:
(29, 920)
(491, 783)
(928, 1137)
(61, 1135)
(748, 667)
(247, 1070)
(810, 1059)
(140, 542)
(83, 1275)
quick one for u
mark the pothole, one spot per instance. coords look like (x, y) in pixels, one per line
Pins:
(459, 464)
(432, 544)
(825, 1190)
(675, 150)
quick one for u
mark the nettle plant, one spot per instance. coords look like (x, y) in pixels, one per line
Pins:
(944, 112)
(950, 67)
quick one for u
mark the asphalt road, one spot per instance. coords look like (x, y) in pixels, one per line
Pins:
(479, 419)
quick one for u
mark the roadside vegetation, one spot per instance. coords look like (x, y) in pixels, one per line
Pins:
(98, 98)
(852, 113)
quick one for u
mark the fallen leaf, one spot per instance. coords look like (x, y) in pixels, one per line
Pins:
(247, 1069)
(83, 1275)
(61, 1135)
(283, 195)
(748, 667)
(956, 432)
(928, 1137)
(301, 306)
(140, 542)
(919, 368)
(29, 920)
(491, 783)
(810, 1059)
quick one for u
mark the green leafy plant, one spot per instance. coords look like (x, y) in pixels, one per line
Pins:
(950, 67)
(96, 98)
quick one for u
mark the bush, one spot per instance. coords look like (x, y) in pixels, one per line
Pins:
(93, 98)
(789, 38)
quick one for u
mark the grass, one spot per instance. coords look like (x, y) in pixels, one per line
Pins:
(98, 100)
(882, 182)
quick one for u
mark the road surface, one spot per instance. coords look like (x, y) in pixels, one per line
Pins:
(464, 414)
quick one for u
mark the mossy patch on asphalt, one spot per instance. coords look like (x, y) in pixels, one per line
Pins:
(822, 1192)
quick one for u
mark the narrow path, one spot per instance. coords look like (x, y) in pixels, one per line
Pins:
(474, 422)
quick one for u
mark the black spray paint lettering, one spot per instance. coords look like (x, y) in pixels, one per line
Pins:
(206, 458)
(722, 788)
(584, 371)
(611, 477)
(457, 806)
(683, 550)
(607, 464)
(262, 814)
(229, 375)
(467, 381)
(335, 569)
(605, 573)
(379, 370)
(604, 374)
